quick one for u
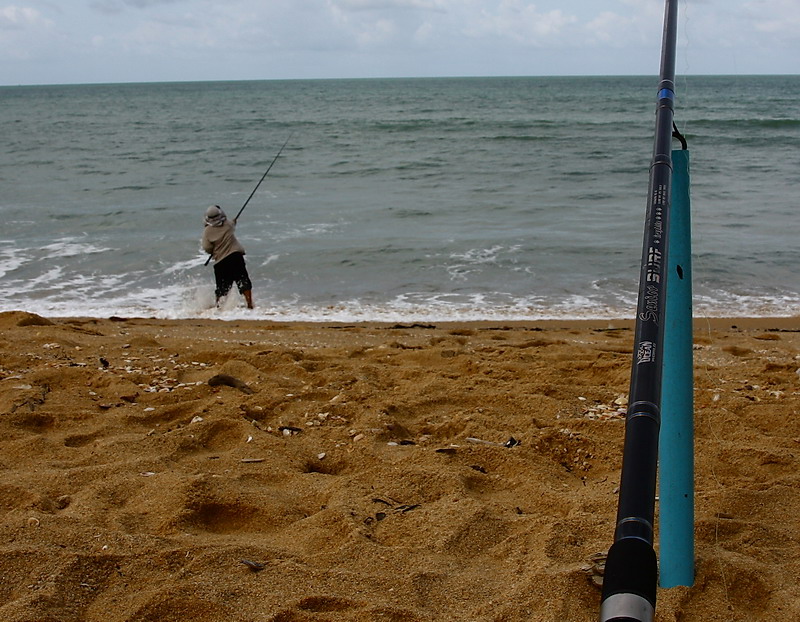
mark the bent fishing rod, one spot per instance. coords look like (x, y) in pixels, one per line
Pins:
(631, 574)
(275, 159)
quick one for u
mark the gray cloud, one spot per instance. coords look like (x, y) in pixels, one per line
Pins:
(100, 40)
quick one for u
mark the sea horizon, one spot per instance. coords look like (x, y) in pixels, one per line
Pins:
(654, 76)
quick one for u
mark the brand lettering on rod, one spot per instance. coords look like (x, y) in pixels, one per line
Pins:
(653, 265)
(646, 352)
(650, 313)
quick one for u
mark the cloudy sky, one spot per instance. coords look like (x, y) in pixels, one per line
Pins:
(78, 41)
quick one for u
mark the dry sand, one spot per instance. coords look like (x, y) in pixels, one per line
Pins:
(328, 475)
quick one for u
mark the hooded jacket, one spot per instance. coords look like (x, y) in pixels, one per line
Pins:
(219, 239)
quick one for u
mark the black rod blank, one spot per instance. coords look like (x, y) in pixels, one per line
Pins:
(631, 574)
(275, 159)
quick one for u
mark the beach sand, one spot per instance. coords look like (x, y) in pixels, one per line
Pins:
(206, 471)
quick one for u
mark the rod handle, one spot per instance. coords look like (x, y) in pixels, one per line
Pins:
(630, 582)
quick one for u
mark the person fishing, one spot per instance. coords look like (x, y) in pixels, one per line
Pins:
(219, 241)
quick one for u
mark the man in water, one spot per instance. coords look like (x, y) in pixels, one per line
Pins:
(220, 242)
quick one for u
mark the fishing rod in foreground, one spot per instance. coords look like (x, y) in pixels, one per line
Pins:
(631, 574)
(275, 159)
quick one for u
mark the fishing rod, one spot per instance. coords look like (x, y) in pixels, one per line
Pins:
(275, 159)
(631, 573)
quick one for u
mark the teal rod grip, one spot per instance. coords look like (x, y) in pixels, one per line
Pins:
(676, 441)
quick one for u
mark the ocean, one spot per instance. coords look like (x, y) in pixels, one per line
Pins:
(394, 200)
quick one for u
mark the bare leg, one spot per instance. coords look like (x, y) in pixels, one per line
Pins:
(248, 297)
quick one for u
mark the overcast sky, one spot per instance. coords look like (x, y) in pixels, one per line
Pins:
(78, 41)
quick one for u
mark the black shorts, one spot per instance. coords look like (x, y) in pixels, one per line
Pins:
(229, 271)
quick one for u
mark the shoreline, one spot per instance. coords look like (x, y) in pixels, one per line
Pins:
(778, 322)
(244, 470)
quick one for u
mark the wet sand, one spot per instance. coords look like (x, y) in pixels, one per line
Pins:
(257, 471)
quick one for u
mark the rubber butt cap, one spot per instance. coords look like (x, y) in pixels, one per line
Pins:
(631, 568)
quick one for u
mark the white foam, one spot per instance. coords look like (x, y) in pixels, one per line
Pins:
(200, 304)
(54, 294)
(302, 231)
(9, 261)
(71, 247)
(52, 276)
(180, 267)
(474, 260)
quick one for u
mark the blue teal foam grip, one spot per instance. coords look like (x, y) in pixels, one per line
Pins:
(676, 440)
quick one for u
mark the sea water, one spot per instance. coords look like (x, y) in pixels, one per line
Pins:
(394, 199)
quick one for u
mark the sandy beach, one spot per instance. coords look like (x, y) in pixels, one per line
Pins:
(256, 471)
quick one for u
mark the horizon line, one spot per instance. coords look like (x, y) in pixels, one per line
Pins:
(442, 77)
